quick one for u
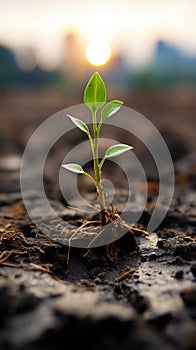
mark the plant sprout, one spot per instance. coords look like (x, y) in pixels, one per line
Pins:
(95, 99)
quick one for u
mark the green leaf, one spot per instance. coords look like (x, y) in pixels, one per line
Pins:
(75, 168)
(95, 93)
(79, 123)
(111, 108)
(116, 150)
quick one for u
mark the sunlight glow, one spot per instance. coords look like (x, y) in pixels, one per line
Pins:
(98, 52)
(131, 27)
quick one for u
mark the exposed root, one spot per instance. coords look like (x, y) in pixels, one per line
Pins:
(101, 232)
(5, 255)
(22, 248)
(32, 267)
(88, 251)
(124, 275)
(108, 215)
(136, 230)
(112, 252)
(139, 231)
(94, 207)
(77, 232)
(13, 236)
(68, 254)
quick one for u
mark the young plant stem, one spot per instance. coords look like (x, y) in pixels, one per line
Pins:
(90, 177)
(95, 98)
(97, 169)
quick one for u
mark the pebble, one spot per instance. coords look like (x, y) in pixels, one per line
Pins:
(191, 220)
(179, 274)
(189, 297)
(161, 243)
(187, 251)
(152, 256)
(10, 163)
(193, 269)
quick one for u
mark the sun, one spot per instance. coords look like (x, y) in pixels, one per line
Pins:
(98, 52)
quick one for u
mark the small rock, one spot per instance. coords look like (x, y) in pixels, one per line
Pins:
(161, 243)
(152, 256)
(186, 251)
(189, 297)
(187, 239)
(179, 274)
(35, 232)
(98, 280)
(117, 289)
(143, 258)
(161, 321)
(193, 269)
(176, 261)
(191, 220)
(10, 163)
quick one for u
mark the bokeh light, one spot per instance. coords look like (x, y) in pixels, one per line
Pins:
(98, 52)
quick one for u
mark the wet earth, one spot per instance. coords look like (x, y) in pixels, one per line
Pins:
(138, 294)
(141, 297)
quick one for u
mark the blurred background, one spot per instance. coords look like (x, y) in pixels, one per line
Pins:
(145, 50)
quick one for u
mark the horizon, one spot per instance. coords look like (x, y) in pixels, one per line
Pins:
(131, 27)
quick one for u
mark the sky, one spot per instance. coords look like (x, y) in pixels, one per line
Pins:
(132, 26)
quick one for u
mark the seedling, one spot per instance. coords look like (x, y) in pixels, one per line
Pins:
(95, 99)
